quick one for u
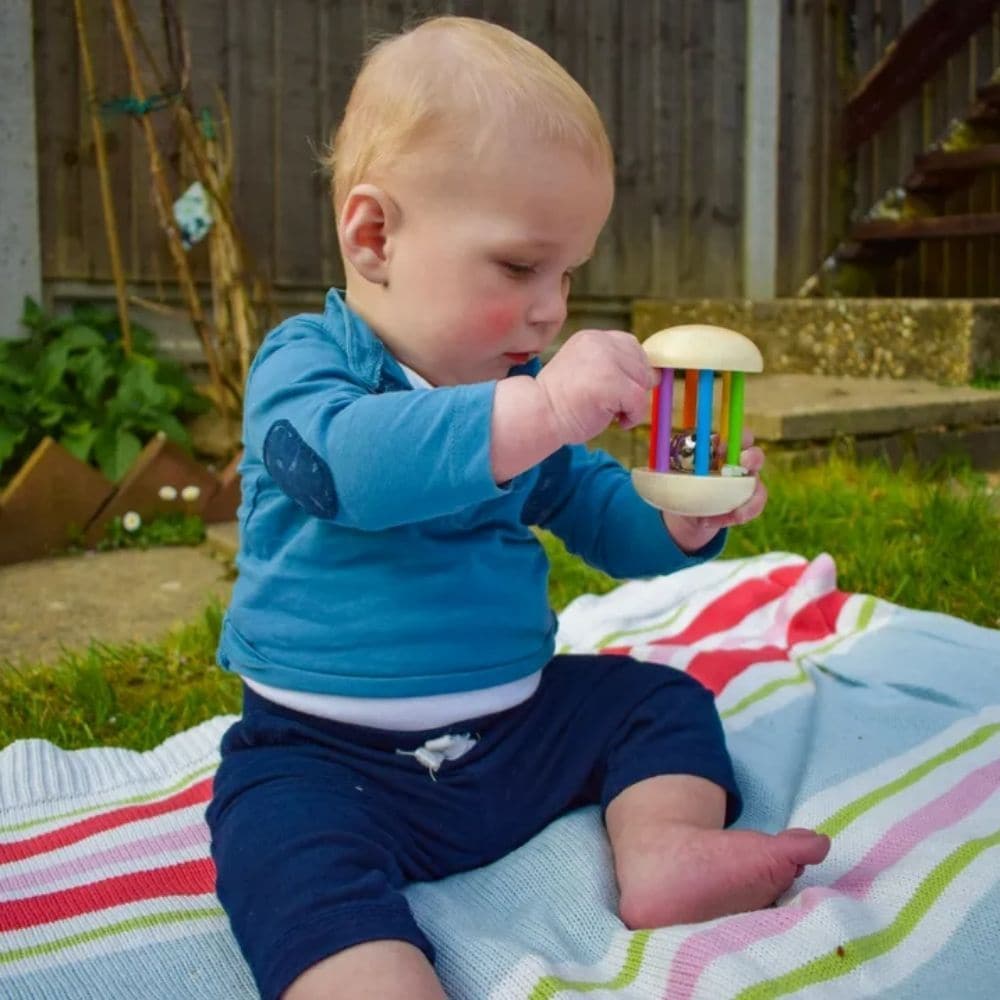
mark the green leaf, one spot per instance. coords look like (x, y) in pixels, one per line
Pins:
(78, 337)
(50, 414)
(32, 316)
(79, 440)
(143, 340)
(173, 428)
(98, 317)
(139, 389)
(116, 450)
(52, 366)
(10, 438)
(11, 401)
(92, 373)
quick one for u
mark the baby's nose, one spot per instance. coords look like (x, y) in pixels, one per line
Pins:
(548, 310)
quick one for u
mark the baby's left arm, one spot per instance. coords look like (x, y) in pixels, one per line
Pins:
(587, 499)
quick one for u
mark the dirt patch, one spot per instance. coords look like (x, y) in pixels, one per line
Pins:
(111, 597)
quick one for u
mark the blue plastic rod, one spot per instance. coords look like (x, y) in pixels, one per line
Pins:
(703, 424)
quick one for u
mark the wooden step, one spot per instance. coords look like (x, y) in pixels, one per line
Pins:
(986, 110)
(921, 49)
(945, 170)
(989, 93)
(932, 227)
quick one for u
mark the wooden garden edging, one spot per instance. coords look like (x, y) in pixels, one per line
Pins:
(55, 499)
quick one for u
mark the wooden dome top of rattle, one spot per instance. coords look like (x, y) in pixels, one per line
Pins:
(699, 345)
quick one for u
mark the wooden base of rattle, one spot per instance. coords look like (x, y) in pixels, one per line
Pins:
(699, 496)
(680, 477)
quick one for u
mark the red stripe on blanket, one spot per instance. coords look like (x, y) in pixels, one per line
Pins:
(734, 605)
(729, 609)
(715, 668)
(189, 878)
(18, 850)
(817, 619)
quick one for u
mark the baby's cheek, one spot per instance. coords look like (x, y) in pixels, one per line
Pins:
(495, 320)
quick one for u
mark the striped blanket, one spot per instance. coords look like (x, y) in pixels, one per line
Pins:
(876, 724)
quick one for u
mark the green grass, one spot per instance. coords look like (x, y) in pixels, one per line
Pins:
(989, 379)
(924, 540)
(133, 695)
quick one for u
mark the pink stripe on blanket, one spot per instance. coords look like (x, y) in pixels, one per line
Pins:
(134, 851)
(739, 932)
(18, 850)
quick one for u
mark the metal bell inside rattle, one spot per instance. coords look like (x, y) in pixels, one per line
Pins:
(682, 447)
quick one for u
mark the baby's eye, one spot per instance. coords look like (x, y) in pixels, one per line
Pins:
(516, 269)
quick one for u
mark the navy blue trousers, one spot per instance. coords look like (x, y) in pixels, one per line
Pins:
(317, 825)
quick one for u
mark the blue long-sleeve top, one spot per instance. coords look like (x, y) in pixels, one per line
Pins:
(378, 557)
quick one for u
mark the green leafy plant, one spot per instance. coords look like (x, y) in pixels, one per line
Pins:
(71, 379)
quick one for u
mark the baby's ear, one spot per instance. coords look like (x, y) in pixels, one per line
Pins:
(364, 226)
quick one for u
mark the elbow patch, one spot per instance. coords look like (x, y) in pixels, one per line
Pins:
(299, 472)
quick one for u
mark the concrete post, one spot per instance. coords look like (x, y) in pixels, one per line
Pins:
(760, 178)
(20, 249)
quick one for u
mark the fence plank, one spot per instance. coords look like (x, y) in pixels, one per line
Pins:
(253, 35)
(602, 81)
(59, 98)
(723, 248)
(634, 203)
(799, 148)
(667, 123)
(297, 178)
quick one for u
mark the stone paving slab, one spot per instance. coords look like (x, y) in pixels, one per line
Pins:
(110, 597)
(820, 407)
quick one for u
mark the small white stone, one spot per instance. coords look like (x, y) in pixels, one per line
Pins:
(168, 493)
(733, 470)
(190, 493)
(131, 521)
(171, 586)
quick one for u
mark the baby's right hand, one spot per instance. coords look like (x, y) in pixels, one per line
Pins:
(598, 376)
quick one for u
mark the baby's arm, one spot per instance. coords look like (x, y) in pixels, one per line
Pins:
(340, 441)
(599, 376)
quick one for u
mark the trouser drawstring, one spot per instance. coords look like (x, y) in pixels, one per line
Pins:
(436, 751)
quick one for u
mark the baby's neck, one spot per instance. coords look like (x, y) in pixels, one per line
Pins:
(366, 300)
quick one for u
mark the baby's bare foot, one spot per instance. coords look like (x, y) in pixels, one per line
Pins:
(692, 874)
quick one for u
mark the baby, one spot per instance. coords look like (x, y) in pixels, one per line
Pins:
(404, 716)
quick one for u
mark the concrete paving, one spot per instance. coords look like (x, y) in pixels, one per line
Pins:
(789, 408)
(111, 597)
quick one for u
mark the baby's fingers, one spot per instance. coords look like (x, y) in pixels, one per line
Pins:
(752, 459)
(633, 406)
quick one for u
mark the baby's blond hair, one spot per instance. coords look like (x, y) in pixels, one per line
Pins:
(457, 83)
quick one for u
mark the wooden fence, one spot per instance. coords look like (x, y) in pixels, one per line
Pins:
(668, 76)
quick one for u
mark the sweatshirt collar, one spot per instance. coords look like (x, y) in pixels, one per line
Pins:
(366, 354)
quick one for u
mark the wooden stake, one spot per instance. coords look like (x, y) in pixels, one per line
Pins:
(107, 202)
(163, 201)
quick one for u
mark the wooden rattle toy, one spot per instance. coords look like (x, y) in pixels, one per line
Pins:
(682, 476)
